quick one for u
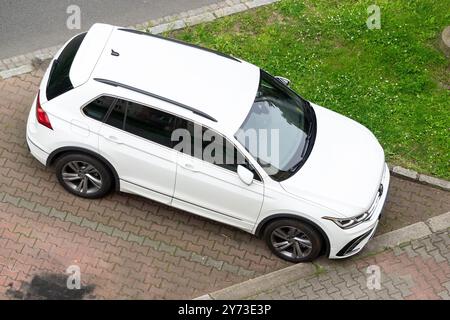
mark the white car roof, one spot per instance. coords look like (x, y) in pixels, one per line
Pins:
(220, 86)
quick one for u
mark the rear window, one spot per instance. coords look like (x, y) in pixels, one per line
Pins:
(59, 81)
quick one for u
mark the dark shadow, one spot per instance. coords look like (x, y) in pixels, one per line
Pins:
(49, 286)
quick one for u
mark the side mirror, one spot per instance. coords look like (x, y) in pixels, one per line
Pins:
(245, 175)
(284, 80)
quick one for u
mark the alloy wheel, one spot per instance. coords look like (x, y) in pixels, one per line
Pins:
(82, 177)
(291, 242)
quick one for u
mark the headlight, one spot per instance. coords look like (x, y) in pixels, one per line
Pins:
(347, 223)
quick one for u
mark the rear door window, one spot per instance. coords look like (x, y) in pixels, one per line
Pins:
(143, 121)
(150, 124)
(59, 80)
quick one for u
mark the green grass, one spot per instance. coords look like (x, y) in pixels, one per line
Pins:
(394, 80)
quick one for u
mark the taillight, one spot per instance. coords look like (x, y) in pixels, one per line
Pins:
(41, 116)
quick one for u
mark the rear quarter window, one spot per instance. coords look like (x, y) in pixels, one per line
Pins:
(98, 108)
(59, 80)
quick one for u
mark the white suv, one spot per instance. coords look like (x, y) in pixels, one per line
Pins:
(115, 103)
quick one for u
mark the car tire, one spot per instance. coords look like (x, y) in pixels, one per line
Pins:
(83, 175)
(293, 240)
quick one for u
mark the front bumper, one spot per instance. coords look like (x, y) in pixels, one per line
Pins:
(349, 242)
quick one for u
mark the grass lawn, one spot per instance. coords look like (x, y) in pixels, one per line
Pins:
(394, 80)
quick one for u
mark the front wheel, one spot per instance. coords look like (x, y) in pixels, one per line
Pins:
(83, 175)
(293, 240)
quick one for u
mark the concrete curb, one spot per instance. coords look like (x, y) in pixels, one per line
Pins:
(418, 177)
(439, 223)
(394, 238)
(254, 286)
(13, 66)
(385, 241)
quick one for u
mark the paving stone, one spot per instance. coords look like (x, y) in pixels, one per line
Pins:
(106, 229)
(230, 268)
(214, 263)
(198, 258)
(42, 209)
(444, 295)
(135, 238)
(57, 214)
(246, 273)
(167, 248)
(89, 224)
(152, 243)
(119, 233)
(26, 204)
(73, 218)
(182, 253)
(12, 200)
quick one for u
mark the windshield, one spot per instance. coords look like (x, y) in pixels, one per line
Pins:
(278, 129)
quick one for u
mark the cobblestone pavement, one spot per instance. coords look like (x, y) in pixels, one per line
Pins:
(127, 246)
(416, 270)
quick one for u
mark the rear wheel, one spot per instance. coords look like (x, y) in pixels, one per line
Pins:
(293, 240)
(83, 175)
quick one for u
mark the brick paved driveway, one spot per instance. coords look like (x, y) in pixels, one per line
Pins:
(127, 246)
(416, 270)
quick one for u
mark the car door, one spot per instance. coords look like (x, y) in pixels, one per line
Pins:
(212, 188)
(137, 141)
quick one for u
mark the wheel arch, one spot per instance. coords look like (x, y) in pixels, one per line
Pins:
(263, 224)
(66, 150)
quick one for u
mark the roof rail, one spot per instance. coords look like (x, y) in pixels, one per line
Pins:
(125, 86)
(180, 42)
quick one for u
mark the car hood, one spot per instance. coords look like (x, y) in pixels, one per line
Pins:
(345, 167)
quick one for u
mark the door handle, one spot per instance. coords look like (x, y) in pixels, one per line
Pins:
(189, 166)
(113, 139)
